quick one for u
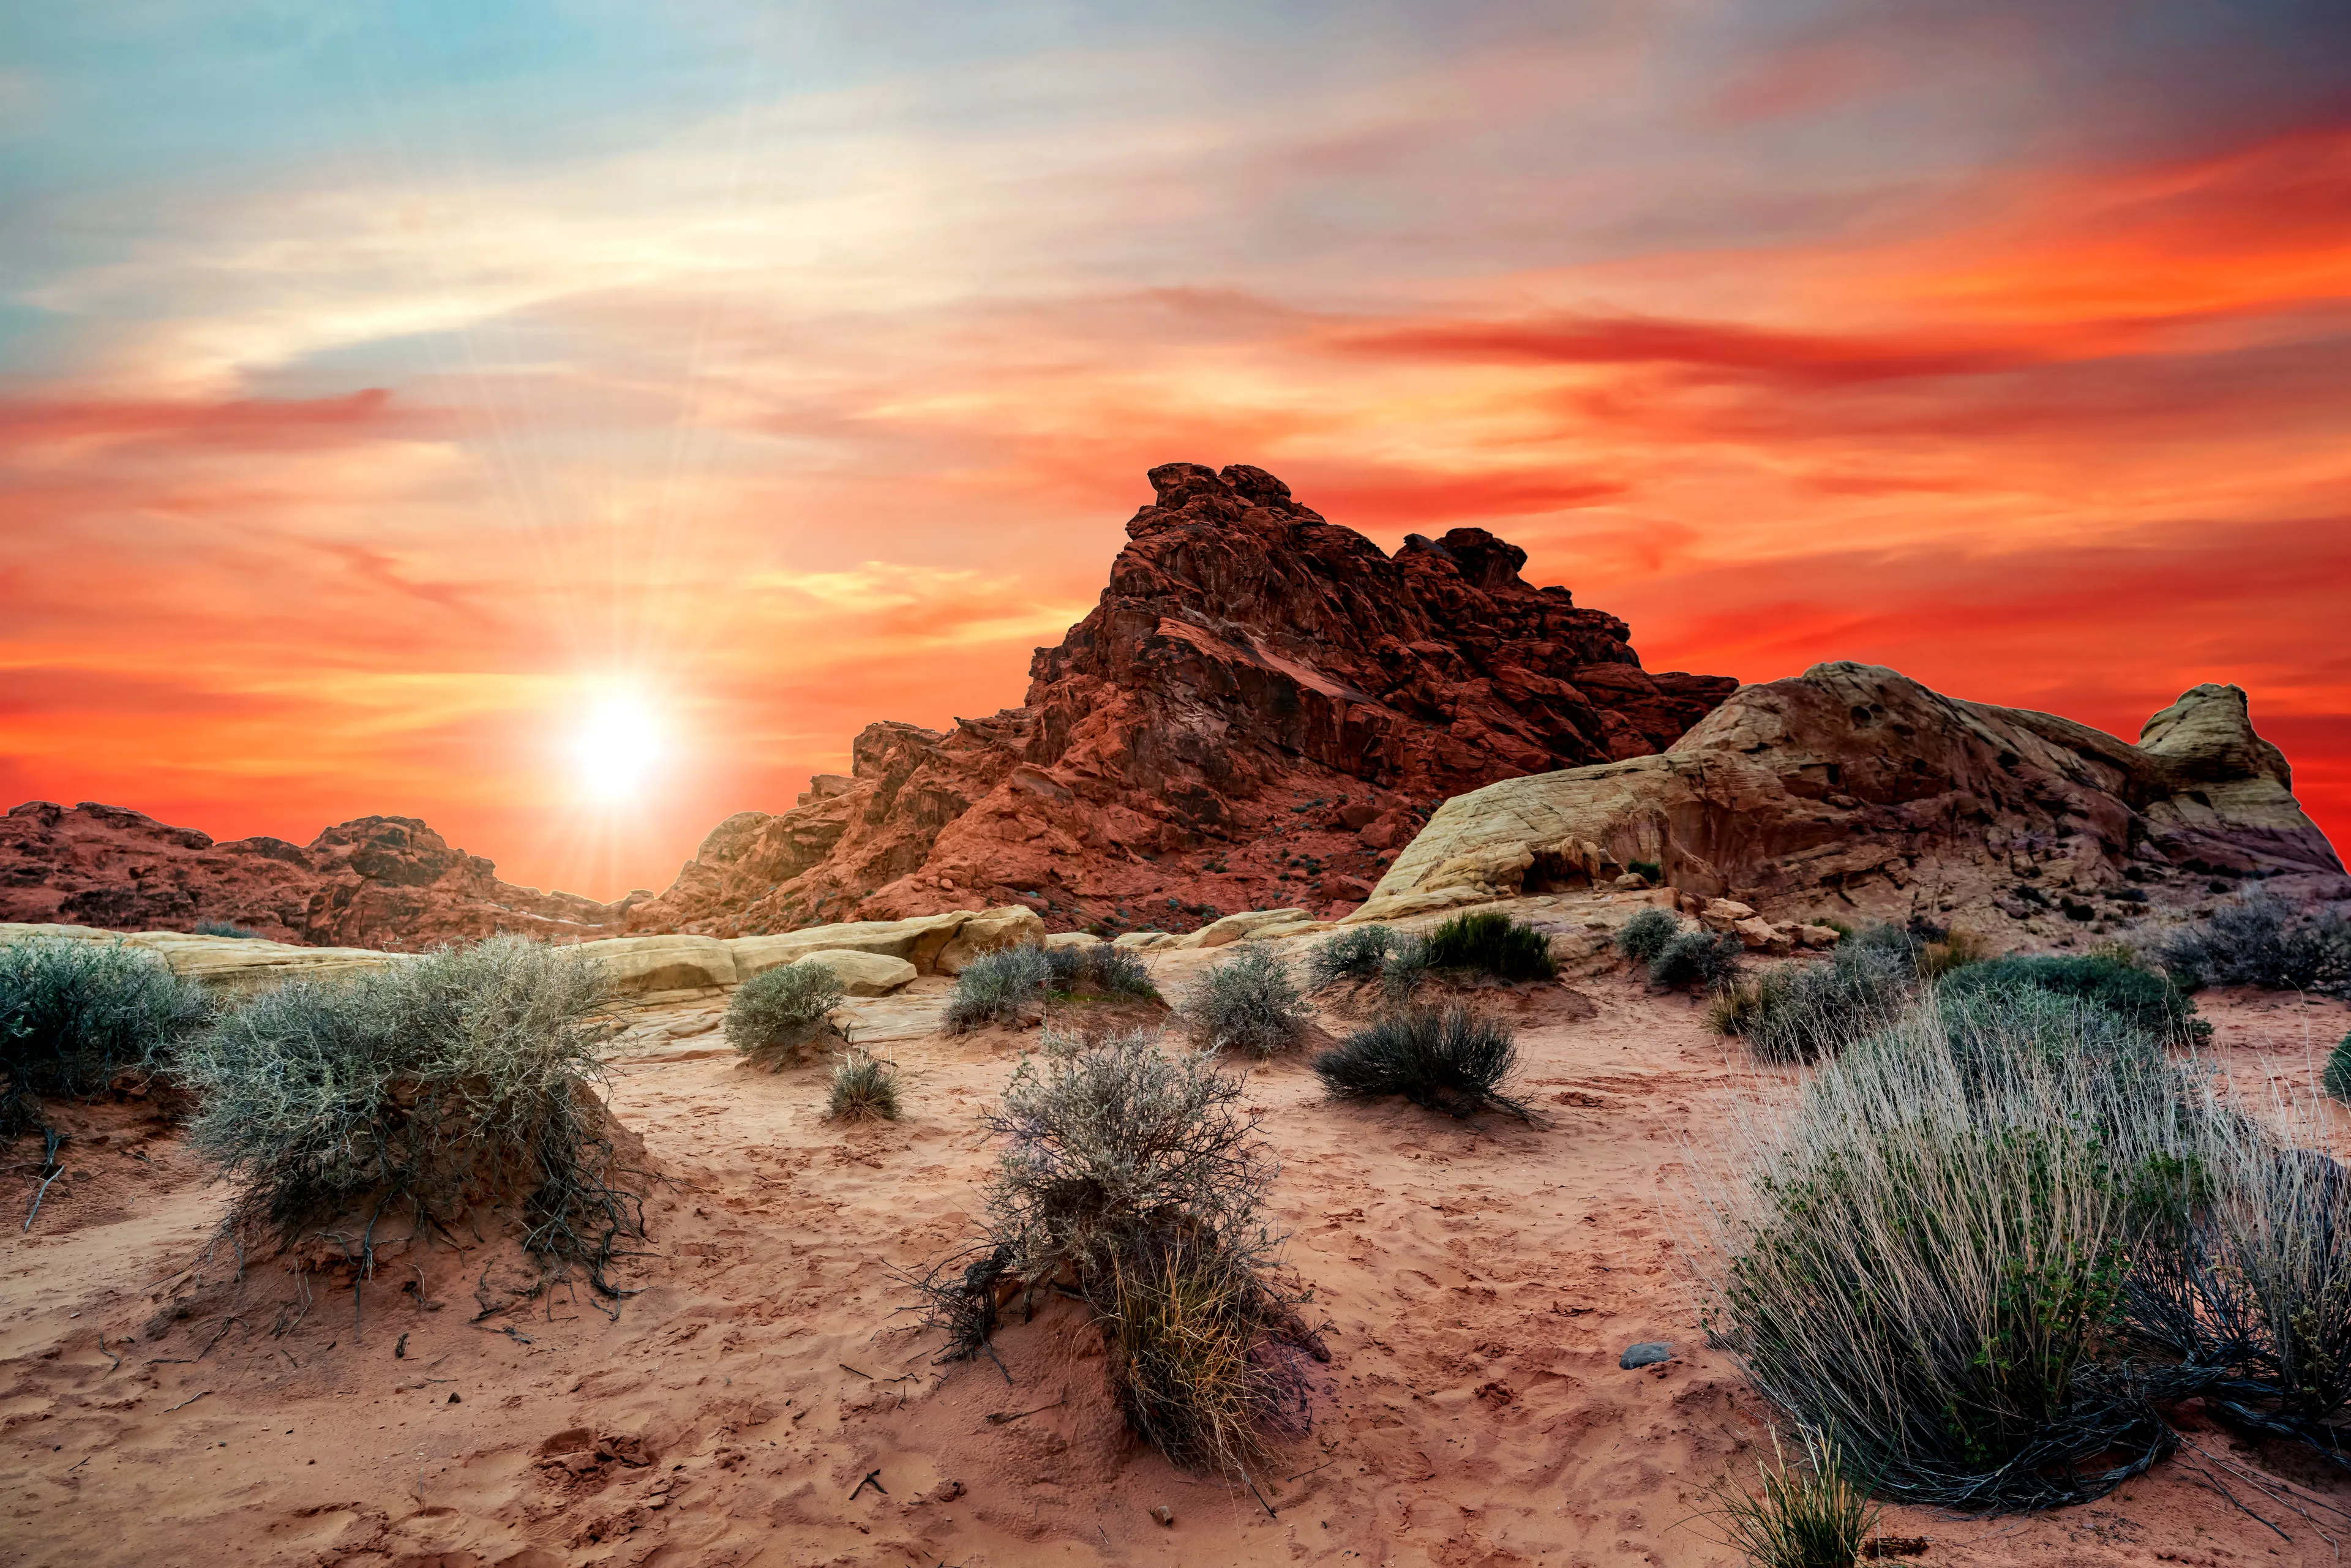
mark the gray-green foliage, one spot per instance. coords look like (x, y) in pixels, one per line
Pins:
(1801, 1013)
(998, 988)
(2337, 1076)
(1099, 968)
(1354, 952)
(864, 1088)
(1645, 935)
(1706, 959)
(777, 1013)
(74, 1014)
(2264, 941)
(426, 1089)
(1248, 1002)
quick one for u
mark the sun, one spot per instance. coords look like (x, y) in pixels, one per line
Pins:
(617, 749)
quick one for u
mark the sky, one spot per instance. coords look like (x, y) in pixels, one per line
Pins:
(570, 422)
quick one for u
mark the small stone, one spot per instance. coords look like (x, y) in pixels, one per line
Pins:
(454, 1400)
(1165, 1515)
(1631, 882)
(1648, 1353)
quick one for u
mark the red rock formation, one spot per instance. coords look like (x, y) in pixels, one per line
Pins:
(375, 882)
(1260, 709)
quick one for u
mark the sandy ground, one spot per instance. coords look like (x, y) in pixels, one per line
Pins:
(1477, 1284)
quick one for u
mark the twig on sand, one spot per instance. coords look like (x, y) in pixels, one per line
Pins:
(49, 1162)
(1323, 1466)
(846, 1368)
(191, 1399)
(108, 1354)
(1000, 1416)
(872, 1478)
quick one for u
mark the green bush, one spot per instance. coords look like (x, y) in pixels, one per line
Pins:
(1354, 952)
(1649, 869)
(1707, 959)
(2263, 941)
(1803, 1013)
(998, 988)
(777, 1013)
(1099, 968)
(434, 1087)
(2145, 998)
(1490, 943)
(1818, 1516)
(2337, 1078)
(1450, 1059)
(864, 1088)
(1248, 1002)
(1646, 934)
(74, 1014)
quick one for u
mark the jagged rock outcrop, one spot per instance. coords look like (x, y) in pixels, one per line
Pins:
(1853, 788)
(370, 882)
(1259, 708)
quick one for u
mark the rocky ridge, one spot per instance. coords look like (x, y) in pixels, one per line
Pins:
(1853, 790)
(1262, 707)
(383, 883)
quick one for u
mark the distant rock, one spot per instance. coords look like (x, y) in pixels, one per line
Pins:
(1260, 709)
(370, 882)
(1853, 788)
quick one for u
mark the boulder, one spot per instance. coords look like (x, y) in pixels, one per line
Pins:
(1233, 927)
(988, 932)
(1281, 928)
(864, 974)
(229, 964)
(1758, 935)
(1724, 914)
(918, 941)
(1817, 937)
(1852, 787)
(1073, 939)
(635, 966)
(1139, 941)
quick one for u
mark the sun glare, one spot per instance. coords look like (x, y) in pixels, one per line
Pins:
(617, 750)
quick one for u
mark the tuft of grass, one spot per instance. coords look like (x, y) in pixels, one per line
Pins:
(1355, 953)
(1650, 869)
(865, 1088)
(1813, 1515)
(2151, 1000)
(998, 988)
(1100, 969)
(1247, 1002)
(1187, 1334)
(229, 928)
(1803, 1013)
(777, 1014)
(1446, 1060)
(1646, 934)
(1954, 951)
(2263, 941)
(1707, 959)
(73, 1015)
(437, 1086)
(2336, 1079)
(1490, 943)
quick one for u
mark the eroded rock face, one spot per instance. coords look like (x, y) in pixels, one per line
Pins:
(1853, 788)
(372, 882)
(1259, 708)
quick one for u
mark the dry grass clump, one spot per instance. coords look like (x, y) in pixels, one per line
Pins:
(2264, 941)
(1816, 1515)
(998, 988)
(1098, 968)
(1450, 1059)
(1130, 1177)
(74, 1015)
(1952, 952)
(865, 1088)
(457, 1082)
(1804, 1012)
(777, 1014)
(1248, 1002)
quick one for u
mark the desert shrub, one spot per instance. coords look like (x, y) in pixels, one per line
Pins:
(1646, 934)
(1705, 958)
(74, 1014)
(865, 1088)
(1490, 943)
(2147, 998)
(1404, 970)
(777, 1013)
(1817, 1515)
(1649, 869)
(996, 987)
(1926, 1258)
(1101, 968)
(1954, 951)
(2263, 941)
(1248, 1002)
(1801, 1013)
(1356, 953)
(1448, 1059)
(445, 1083)
(1131, 1176)
(229, 928)
(2336, 1078)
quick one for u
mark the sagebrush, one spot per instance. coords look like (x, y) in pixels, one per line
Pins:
(778, 1014)
(1803, 1013)
(1099, 968)
(74, 1015)
(1445, 1059)
(2151, 1000)
(435, 1087)
(2262, 940)
(1702, 959)
(999, 987)
(1646, 935)
(1354, 953)
(1248, 1002)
